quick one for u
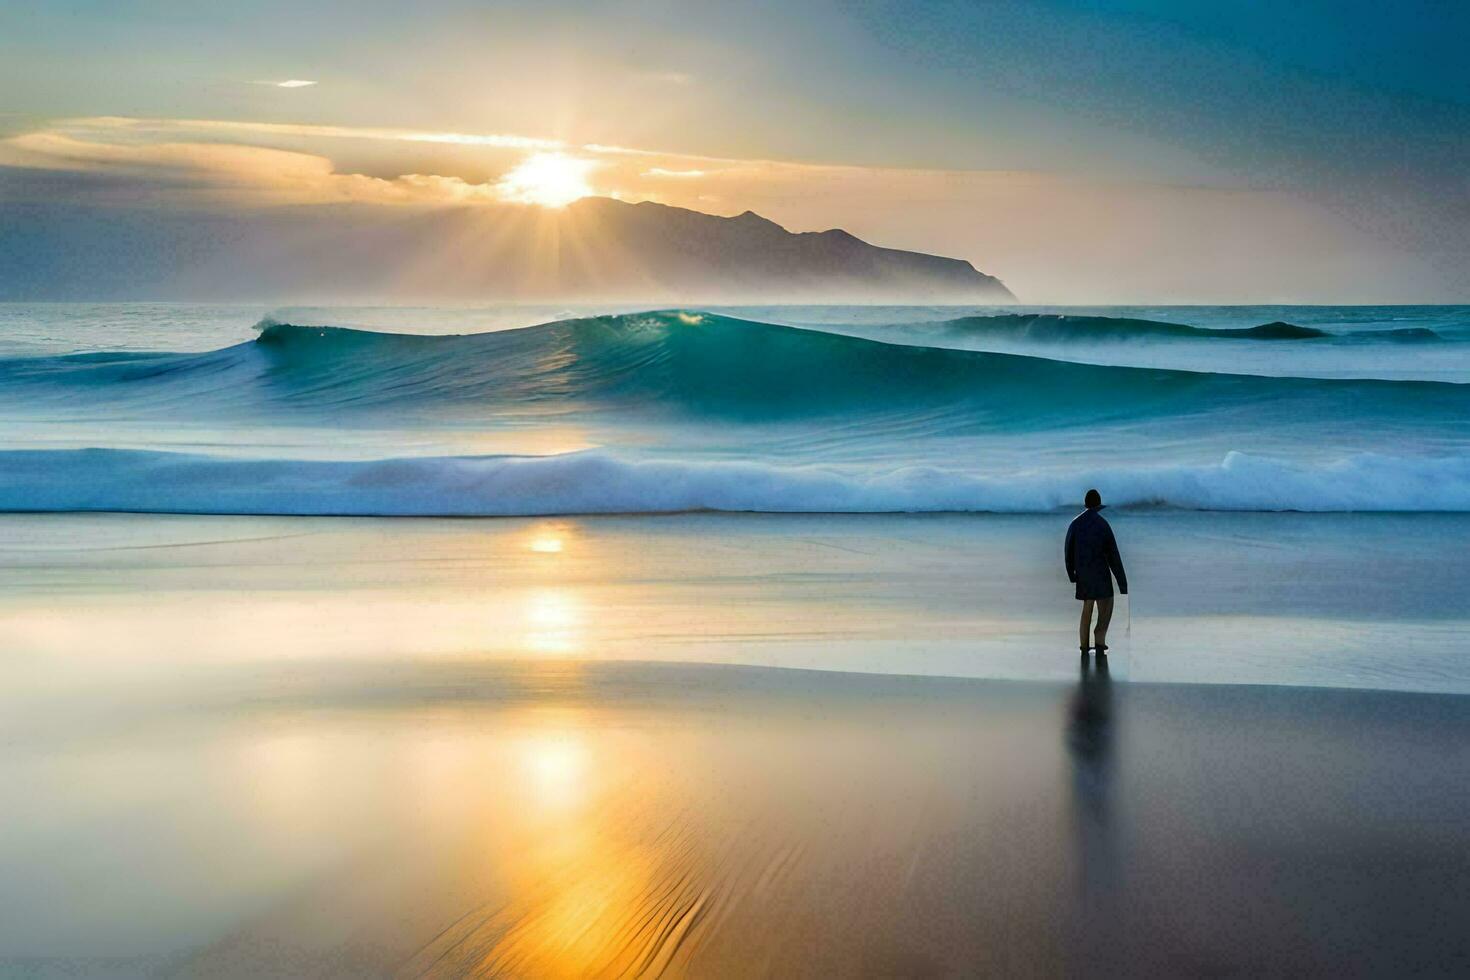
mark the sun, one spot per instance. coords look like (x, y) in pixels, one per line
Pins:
(552, 180)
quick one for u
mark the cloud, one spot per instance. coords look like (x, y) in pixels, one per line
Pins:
(287, 83)
(238, 174)
(224, 157)
(111, 127)
(216, 127)
(682, 174)
(224, 162)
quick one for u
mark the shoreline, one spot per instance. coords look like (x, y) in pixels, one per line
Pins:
(1218, 598)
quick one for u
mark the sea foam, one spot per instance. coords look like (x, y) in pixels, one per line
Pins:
(599, 482)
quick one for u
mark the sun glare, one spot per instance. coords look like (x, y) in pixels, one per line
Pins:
(552, 180)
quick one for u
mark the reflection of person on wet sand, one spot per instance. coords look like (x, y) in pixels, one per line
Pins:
(1090, 745)
(1092, 562)
(1090, 736)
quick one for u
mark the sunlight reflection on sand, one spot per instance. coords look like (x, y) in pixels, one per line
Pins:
(442, 748)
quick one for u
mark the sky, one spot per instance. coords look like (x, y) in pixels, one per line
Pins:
(1084, 152)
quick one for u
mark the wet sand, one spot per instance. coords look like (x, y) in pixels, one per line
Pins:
(1325, 600)
(573, 819)
(425, 749)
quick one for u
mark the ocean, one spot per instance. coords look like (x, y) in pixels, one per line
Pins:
(517, 411)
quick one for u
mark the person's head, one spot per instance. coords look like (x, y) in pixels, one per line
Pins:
(1093, 500)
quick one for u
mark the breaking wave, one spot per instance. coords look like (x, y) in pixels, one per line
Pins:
(601, 483)
(707, 412)
(684, 365)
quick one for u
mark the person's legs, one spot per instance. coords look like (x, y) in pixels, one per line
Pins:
(1086, 624)
(1104, 616)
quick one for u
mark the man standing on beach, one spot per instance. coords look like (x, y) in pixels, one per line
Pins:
(1092, 554)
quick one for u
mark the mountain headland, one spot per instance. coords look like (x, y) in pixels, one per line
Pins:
(596, 250)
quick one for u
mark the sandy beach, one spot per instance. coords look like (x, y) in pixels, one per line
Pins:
(562, 819)
(526, 748)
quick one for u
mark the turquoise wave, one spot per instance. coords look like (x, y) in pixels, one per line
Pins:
(1067, 328)
(673, 365)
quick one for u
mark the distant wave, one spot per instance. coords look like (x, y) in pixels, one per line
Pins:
(600, 483)
(1059, 328)
(1407, 335)
(675, 365)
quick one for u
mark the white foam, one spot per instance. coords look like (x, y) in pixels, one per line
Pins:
(599, 482)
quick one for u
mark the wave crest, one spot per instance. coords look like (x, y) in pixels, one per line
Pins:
(1069, 328)
(674, 365)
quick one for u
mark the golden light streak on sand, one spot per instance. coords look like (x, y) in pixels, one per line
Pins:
(553, 618)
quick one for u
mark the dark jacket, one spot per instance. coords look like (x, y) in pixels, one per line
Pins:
(1091, 552)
